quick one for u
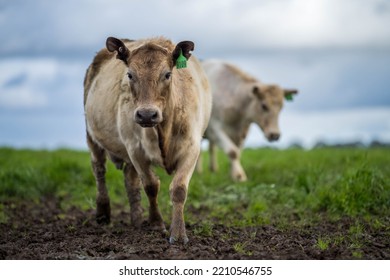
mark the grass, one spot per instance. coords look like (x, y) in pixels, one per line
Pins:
(323, 243)
(299, 185)
(240, 248)
(284, 187)
(204, 229)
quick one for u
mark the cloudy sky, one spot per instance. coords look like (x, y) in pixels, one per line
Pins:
(337, 53)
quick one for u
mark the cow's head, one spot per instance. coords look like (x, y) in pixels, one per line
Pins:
(150, 76)
(266, 106)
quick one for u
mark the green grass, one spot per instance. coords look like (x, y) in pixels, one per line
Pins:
(323, 243)
(241, 249)
(204, 229)
(284, 187)
(300, 185)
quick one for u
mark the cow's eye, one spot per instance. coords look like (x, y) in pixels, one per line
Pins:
(168, 75)
(130, 76)
(264, 107)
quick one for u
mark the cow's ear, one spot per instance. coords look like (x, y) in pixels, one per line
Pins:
(258, 91)
(290, 91)
(114, 44)
(184, 47)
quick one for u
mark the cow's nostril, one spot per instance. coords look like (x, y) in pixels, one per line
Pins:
(139, 115)
(274, 136)
(154, 116)
(147, 117)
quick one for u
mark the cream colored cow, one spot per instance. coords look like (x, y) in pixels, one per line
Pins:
(141, 111)
(240, 100)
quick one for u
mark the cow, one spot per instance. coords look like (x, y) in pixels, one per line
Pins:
(142, 111)
(239, 100)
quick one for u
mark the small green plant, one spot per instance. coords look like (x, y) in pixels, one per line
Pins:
(241, 249)
(356, 230)
(204, 229)
(338, 240)
(71, 228)
(323, 243)
(3, 216)
(357, 254)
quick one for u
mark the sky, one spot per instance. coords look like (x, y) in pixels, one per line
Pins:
(336, 53)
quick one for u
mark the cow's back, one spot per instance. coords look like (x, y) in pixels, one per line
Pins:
(225, 79)
(230, 89)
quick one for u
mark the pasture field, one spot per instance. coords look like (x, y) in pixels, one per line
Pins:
(325, 203)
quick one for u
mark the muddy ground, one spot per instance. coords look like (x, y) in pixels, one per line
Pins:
(44, 231)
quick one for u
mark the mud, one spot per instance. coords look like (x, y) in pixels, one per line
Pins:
(44, 231)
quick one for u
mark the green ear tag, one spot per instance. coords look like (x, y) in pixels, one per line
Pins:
(181, 61)
(289, 97)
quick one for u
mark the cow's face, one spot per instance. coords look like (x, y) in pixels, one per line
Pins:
(150, 77)
(266, 107)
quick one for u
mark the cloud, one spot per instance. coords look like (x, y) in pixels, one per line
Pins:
(325, 80)
(41, 102)
(22, 97)
(318, 24)
(41, 84)
(18, 84)
(47, 27)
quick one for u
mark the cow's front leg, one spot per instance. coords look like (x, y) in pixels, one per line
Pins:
(237, 172)
(178, 193)
(220, 137)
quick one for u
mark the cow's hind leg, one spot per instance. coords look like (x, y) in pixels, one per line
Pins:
(231, 150)
(133, 189)
(98, 161)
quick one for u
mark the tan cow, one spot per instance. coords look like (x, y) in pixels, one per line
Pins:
(240, 100)
(142, 111)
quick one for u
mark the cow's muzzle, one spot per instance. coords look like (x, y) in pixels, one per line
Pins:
(273, 136)
(147, 117)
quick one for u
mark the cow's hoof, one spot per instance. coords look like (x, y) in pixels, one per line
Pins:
(103, 219)
(103, 213)
(239, 177)
(136, 218)
(137, 223)
(174, 240)
(157, 226)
